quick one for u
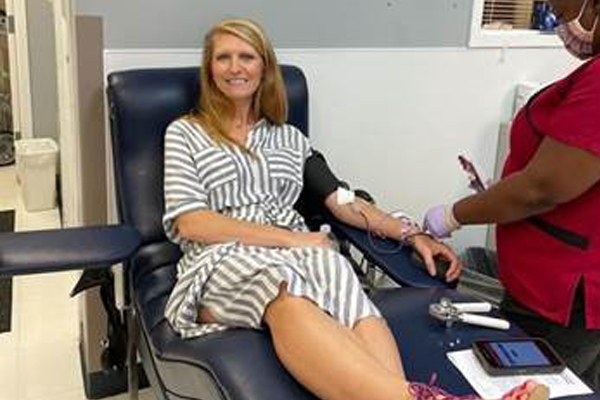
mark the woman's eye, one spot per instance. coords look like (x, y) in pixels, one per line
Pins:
(221, 57)
(247, 57)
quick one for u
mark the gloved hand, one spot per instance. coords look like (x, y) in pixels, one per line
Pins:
(440, 221)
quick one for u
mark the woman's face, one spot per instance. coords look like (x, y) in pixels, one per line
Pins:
(236, 67)
(568, 10)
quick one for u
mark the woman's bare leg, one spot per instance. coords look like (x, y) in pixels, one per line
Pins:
(377, 339)
(338, 363)
(326, 357)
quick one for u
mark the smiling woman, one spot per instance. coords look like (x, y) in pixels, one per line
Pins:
(240, 82)
(237, 69)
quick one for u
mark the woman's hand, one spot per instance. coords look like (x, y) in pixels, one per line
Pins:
(321, 239)
(429, 248)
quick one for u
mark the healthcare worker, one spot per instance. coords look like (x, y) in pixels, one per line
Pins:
(547, 204)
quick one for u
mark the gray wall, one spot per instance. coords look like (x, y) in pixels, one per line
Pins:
(289, 23)
(42, 64)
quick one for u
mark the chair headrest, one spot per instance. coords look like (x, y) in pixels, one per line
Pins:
(142, 104)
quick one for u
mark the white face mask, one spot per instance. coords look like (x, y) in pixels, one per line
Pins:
(578, 41)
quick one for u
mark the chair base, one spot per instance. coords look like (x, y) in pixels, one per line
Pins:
(100, 384)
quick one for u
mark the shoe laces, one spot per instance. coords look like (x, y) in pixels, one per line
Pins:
(422, 391)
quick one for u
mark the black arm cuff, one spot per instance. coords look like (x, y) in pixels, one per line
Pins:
(318, 183)
(319, 180)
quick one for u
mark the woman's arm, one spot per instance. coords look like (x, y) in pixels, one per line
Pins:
(556, 174)
(365, 215)
(210, 227)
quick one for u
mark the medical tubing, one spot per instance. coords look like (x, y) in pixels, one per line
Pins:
(370, 236)
(488, 322)
(410, 228)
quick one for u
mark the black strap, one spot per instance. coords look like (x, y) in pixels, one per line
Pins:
(567, 237)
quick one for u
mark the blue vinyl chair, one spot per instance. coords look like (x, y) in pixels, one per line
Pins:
(236, 364)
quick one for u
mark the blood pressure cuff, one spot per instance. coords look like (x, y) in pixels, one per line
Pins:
(318, 182)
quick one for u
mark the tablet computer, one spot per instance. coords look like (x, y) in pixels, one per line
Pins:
(517, 356)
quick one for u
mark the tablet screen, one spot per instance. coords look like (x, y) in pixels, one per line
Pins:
(517, 354)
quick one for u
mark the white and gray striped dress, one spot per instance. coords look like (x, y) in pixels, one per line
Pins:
(236, 282)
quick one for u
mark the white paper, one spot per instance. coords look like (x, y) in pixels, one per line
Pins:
(565, 383)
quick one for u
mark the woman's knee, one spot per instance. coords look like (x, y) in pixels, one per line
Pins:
(369, 323)
(285, 306)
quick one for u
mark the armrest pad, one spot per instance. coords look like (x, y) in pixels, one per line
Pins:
(399, 266)
(66, 249)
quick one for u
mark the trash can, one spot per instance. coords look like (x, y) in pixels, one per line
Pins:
(36, 171)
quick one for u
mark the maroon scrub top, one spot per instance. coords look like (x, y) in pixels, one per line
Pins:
(542, 259)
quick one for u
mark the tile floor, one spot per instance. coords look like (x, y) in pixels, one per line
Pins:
(39, 358)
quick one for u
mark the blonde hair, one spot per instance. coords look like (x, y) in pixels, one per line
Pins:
(215, 111)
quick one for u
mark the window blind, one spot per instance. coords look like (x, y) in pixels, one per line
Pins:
(507, 14)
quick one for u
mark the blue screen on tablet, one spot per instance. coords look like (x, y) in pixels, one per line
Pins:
(517, 354)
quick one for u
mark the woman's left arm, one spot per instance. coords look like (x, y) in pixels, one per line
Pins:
(364, 215)
(556, 174)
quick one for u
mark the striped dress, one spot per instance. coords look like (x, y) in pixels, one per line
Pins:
(236, 282)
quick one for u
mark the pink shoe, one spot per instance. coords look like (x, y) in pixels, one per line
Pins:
(530, 390)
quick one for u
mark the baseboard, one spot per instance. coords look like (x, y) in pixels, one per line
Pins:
(100, 384)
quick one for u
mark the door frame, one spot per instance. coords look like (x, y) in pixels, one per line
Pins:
(68, 109)
(20, 81)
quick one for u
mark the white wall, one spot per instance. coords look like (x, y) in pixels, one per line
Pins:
(394, 120)
(289, 23)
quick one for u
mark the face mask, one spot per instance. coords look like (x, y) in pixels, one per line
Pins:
(577, 40)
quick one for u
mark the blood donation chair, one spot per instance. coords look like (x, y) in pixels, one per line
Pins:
(235, 364)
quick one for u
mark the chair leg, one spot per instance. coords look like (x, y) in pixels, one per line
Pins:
(372, 275)
(133, 329)
(368, 276)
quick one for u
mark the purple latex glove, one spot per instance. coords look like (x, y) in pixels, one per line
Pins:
(440, 221)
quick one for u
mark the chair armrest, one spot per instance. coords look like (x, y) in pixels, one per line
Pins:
(399, 265)
(66, 249)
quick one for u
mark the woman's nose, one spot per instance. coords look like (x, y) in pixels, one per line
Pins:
(235, 66)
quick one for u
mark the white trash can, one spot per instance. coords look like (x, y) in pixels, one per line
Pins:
(36, 171)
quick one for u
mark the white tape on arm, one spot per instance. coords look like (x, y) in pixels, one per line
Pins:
(345, 196)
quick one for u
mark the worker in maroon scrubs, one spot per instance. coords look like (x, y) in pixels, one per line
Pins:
(547, 204)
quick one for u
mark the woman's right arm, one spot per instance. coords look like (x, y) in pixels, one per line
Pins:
(557, 173)
(210, 227)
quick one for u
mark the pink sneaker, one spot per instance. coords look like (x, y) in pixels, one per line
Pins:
(530, 390)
